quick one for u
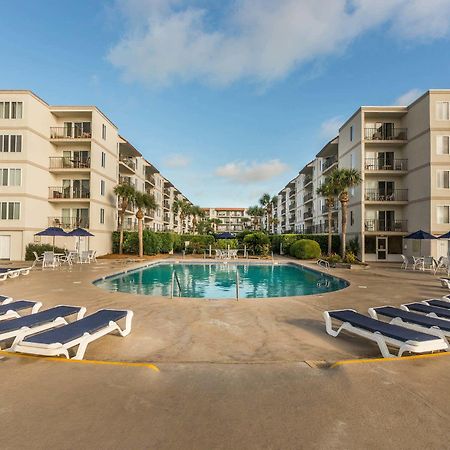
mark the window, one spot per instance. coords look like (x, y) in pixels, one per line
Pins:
(443, 110)
(10, 143)
(104, 132)
(11, 110)
(102, 215)
(102, 187)
(10, 177)
(369, 244)
(10, 210)
(443, 214)
(443, 179)
(103, 159)
(351, 133)
(442, 145)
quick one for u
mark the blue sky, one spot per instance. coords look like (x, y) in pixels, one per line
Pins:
(228, 99)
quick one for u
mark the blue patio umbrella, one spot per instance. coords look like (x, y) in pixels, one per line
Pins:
(52, 231)
(420, 235)
(225, 235)
(80, 232)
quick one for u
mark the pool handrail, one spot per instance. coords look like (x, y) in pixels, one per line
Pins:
(172, 286)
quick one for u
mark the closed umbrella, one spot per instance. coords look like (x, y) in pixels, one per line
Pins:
(52, 231)
(80, 232)
(420, 235)
(225, 235)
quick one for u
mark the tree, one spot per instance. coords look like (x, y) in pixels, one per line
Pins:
(126, 193)
(141, 201)
(329, 191)
(343, 180)
(182, 208)
(245, 221)
(256, 213)
(196, 213)
(267, 203)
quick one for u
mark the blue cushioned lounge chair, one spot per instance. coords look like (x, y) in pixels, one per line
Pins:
(42, 320)
(10, 310)
(425, 308)
(384, 334)
(59, 341)
(413, 320)
(4, 299)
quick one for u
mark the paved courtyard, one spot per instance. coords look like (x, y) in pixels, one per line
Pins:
(244, 374)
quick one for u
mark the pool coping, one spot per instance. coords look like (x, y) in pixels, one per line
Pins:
(233, 262)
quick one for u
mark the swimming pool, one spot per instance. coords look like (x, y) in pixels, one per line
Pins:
(218, 280)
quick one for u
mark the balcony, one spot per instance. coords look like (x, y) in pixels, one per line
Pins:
(128, 162)
(167, 192)
(307, 215)
(306, 181)
(68, 222)
(166, 204)
(331, 161)
(67, 193)
(68, 163)
(333, 208)
(127, 180)
(397, 165)
(397, 195)
(320, 228)
(166, 218)
(386, 225)
(292, 206)
(81, 131)
(130, 226)
(307, 197)
(150, 179)
(385, 133)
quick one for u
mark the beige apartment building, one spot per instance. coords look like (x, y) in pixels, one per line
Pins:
(403, 155)
(59, 166)
(233, 220)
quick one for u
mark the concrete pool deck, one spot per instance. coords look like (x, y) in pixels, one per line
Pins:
(231, 374)
(226, 331)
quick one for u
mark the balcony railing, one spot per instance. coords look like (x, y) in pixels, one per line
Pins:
(128, 162)
(69, 163)
(328, 163)
(385, 225)
(167, 192)
(377, 164)
(150, 179)
(68, 222)
(307, 197)
(292, 206)
(166, 218)
(166, 204)
(307, 214)
(333, 208)
(130, 226)
(385, 133)
(321, 228)
(59, 192)
(75, 132)
(127, 180)
(307, 181)
(397, 195)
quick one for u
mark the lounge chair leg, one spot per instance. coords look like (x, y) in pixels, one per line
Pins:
(383, 347)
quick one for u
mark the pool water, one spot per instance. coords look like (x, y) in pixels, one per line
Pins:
(215, 281)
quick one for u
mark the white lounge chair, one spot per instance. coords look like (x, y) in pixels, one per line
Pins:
(40, 321)
(431, 325)
(428, 307)
(11, 310)
(4, 299)
(76, 334)
(383, 334)
(445, 282)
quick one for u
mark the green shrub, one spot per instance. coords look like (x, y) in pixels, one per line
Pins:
(334, 258)
(224, 243)
(39, 249)
(131, 242)
(289, 239)
(197, 242)
(241, 236)
(350, 258)
(154, 242)
(257, 243)
(305, 249)
(353, 246)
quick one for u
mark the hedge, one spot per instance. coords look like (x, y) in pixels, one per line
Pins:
(288, 239)
(305, 249)
(39, 249)
(224, 243)
(257, 243)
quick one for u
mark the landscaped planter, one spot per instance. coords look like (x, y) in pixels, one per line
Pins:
(359, 266)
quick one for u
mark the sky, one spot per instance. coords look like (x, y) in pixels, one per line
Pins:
(228, 99)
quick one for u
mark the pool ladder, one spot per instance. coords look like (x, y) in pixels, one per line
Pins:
(172, 285)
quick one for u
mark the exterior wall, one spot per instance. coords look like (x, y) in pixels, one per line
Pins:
(230, 217)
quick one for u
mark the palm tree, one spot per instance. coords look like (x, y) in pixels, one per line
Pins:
(343, 180)
(245, 221)
(196, 212)
(267, 202)
(329, 191)
(141, 201)
(256, 212)
(181, 207)
(215, 223)
(126, 193)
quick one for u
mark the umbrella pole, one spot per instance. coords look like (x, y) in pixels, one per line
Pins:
(53, 244)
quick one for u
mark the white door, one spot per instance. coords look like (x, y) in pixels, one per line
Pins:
(382, 250)
(5, 247)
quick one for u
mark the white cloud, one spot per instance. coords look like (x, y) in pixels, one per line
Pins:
(263, 40)
(408, 97)
(177, 160)
(247, 173)
(330, 127)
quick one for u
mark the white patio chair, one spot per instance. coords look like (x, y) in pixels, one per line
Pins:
(49, 260)
(442, 265)
(219, 254)
(37, 258)
(233, 254)
(84, 257)
(92, 255)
